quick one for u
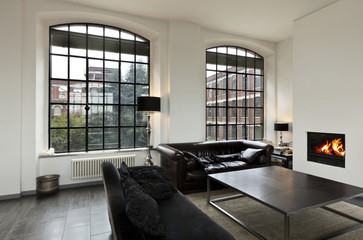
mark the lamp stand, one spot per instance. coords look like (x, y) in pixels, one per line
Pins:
(148, 158)
(281, 143)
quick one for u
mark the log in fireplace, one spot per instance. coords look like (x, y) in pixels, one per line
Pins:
(326, 148)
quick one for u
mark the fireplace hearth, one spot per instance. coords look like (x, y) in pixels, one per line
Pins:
(326, 148)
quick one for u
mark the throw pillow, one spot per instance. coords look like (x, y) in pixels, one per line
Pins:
(227, 157)
(250, 154)
(141, 209)
(153, 182)
(202, 161)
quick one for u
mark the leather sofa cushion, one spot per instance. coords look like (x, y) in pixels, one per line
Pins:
(227, 157)
(250, 154)
(195, 176)
(225, 166)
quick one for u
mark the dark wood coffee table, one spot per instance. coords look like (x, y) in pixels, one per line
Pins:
(285, 191)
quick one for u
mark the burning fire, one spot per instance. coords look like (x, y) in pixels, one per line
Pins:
(334, 147)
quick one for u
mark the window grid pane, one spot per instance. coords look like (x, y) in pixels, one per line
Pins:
(96, 74)
(234, 94)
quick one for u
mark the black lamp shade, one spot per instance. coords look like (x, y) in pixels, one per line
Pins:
(148, 104)
(281, 127)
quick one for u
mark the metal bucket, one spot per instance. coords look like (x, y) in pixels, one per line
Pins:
(48, 183)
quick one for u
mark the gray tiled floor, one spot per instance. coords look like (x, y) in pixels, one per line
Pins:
(70, 214)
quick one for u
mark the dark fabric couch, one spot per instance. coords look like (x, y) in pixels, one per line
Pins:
(180, 217)
(188, 174)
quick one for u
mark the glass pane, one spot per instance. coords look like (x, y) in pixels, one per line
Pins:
(59, 91)
(95, 138)
(211, 133)
(241, 52)
(58, 116)
(111, 138)
(111, 71)
(77, 116)
(221, 117)
(142, 52)
(77, 140)
(59, 140)
(221, 62)
(142, 74)
(140, 39)
(250, 99)
(221, 98)
(111, 115)
(112, 48)
(241, 99)
(127, 50)
(78, 44)
(81, 28)
(259, 66)
(127, 94)
(259, 115)
(232, 113)
(259, 99)
(141, 119)
(211, 115)
(95, 70)
(241, 132)
(59, 67)
(95, 47)
(232, 132)
(95, 92)
(95, 116)
(59, 42)
(61, 28)
(95, 30)
(250, 65)
(250, 115)
(127, 137)
(127, 35)
(77, 68)
(241, 115)
(211, 97)
(211, 60)
(127, 72)
(241, 81)
(250, 82)
(258, 132)
(111, 93)
(250, 132)
(211, 78)
(127, 116)
(112, 32)
(78, 92)
(232, 96)
(221, 133)
(142, 90)
(259, 83)
(241, 64)
(141, 137)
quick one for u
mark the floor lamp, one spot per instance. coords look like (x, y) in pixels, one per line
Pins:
(148, 105)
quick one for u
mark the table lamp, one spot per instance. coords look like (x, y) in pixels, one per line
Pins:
(281, 127)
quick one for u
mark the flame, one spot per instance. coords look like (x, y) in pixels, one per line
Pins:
(334, 147)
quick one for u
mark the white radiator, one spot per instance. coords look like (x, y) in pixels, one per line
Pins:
(83, 168)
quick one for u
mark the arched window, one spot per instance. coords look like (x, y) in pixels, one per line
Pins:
(234, 94)
(96, 73)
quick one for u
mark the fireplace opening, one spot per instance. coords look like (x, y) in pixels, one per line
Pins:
(326, 148)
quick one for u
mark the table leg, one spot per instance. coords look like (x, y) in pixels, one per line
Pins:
(287, 227)
(208, 189)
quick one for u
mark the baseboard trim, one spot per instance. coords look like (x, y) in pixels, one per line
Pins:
(33, 192)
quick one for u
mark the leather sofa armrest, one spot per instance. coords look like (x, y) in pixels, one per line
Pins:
(169, 152)
(256, 144)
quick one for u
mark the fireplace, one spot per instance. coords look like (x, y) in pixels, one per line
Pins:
(326, 148)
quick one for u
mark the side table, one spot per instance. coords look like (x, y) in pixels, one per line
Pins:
(282, 159)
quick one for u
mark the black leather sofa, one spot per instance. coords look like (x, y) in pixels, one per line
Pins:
(182, 161)
(181, 219)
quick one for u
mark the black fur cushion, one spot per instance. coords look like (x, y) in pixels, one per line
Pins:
(141, 209)
(250, 154)
(153, 182)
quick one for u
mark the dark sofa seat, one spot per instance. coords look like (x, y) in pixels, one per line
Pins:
(187, 174)
(181, 219)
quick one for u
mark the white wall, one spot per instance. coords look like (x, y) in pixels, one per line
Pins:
(10, 94)
(327, 87)
(284, 86)
(177, 75)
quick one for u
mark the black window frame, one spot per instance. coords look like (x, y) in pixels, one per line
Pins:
(125, 43)
(244, 101)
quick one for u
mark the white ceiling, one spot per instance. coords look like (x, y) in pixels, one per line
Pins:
(270, 20)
